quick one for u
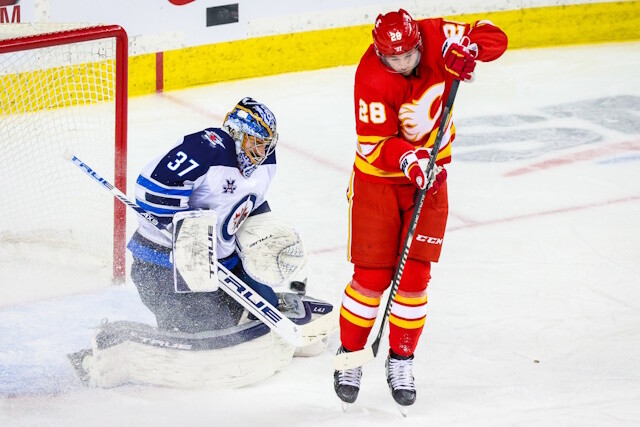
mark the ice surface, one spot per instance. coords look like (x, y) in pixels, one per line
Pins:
(534, 307)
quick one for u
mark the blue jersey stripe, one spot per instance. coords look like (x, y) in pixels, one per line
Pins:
(147, 254)
(156, 210)
(164, 201)
(152, 186)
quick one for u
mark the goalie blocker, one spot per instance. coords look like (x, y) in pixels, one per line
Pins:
(133, 353)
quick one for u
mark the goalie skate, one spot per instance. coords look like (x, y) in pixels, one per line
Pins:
(79, 361)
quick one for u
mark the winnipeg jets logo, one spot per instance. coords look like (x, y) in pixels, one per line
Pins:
(230, 186)
(240, 216)
(213, 138)
(236, 216)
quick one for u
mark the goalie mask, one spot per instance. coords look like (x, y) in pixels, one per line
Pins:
(253, 128)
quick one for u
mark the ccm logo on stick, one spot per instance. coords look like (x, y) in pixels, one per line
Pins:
(428, 239)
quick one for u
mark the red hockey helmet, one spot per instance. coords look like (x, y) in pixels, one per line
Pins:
(396, 33)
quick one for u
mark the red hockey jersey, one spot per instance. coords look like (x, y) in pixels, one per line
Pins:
(395, 113)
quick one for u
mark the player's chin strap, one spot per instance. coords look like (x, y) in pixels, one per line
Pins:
(297, 335)
(354, 359)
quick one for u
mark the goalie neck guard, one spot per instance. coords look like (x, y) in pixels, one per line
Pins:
(253, 128)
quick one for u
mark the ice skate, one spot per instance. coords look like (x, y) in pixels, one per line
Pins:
(347, 383)
(399, 371)
(80, 362)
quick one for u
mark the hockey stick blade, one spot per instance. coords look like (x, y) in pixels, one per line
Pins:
(353, 359)
(296, 335)
(320, 328)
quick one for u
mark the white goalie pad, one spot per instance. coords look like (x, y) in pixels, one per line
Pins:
(194, 251)
(271, 251)
(125, 352)
(139, 354)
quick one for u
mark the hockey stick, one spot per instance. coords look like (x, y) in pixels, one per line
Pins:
(354, 359)
(297, 335)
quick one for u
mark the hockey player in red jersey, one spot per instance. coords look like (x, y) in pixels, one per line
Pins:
(401, 84)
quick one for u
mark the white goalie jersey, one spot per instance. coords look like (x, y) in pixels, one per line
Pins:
(201, 172)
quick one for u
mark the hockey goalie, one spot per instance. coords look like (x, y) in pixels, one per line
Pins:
(206, 197)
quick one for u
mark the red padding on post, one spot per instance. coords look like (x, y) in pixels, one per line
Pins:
(159, 72)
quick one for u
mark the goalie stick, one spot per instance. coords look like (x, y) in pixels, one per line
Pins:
(354, 359)
(297, 335)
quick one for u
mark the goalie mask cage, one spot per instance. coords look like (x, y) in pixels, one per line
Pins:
(63, 89)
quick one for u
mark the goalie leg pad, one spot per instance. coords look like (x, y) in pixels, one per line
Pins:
(127, 352)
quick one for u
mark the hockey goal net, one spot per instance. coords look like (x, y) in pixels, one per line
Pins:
(62, 89)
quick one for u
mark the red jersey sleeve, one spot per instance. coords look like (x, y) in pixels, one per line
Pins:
(491, 40)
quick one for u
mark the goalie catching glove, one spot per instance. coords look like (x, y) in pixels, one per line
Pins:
(271, 251)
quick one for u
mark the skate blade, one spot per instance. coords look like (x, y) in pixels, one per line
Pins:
(404, 410)
(345, 406)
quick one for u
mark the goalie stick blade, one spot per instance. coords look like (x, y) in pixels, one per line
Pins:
(353, 359)
(320, 328)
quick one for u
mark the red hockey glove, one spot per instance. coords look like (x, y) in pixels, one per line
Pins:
(437, 177)
(413, 167)
(459, 60)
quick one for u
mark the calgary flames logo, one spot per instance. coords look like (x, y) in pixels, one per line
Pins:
(418, 117)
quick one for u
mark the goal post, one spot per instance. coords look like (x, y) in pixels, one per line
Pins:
(63, 89)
